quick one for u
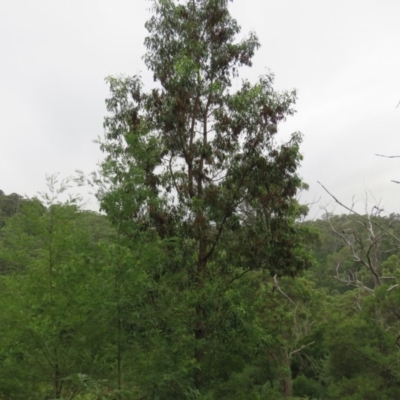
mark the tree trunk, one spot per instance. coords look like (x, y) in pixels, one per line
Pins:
(286, 377)
(199, 331)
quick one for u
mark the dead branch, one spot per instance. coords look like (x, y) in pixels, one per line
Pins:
(352, 280)
(356, 213)
(382, 155)
(276, 286)
(300, 348)
(364, 253)
(392, 287)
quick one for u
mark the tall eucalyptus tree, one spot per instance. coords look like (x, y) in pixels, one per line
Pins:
(194, 164)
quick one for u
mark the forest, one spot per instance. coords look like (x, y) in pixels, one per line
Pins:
(200, 276)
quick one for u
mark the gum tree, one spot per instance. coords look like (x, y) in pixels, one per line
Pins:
(194, 165)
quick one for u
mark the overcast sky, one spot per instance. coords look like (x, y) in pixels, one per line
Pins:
(341, 55)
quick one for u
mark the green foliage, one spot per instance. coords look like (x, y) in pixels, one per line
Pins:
(193, 168)
(90, 312)
(48, 311)
(200, 280)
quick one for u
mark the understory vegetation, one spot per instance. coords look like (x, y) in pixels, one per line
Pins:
(88, 313)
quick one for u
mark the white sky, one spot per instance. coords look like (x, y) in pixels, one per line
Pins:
(341, 55)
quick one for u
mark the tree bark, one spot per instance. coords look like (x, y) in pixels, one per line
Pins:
(286, 377)
(199, 331)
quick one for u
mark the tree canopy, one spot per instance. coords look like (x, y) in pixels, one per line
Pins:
(197, 164)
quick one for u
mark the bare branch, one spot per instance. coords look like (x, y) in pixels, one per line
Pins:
(300, 348)
(351, 280)
(356, 213)
(382, 155)
(356, 283)
(276, 285)
(392, 287)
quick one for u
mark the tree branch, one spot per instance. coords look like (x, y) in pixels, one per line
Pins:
(276, 285)
(382, 155)
(356, 213)
(300, 348)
